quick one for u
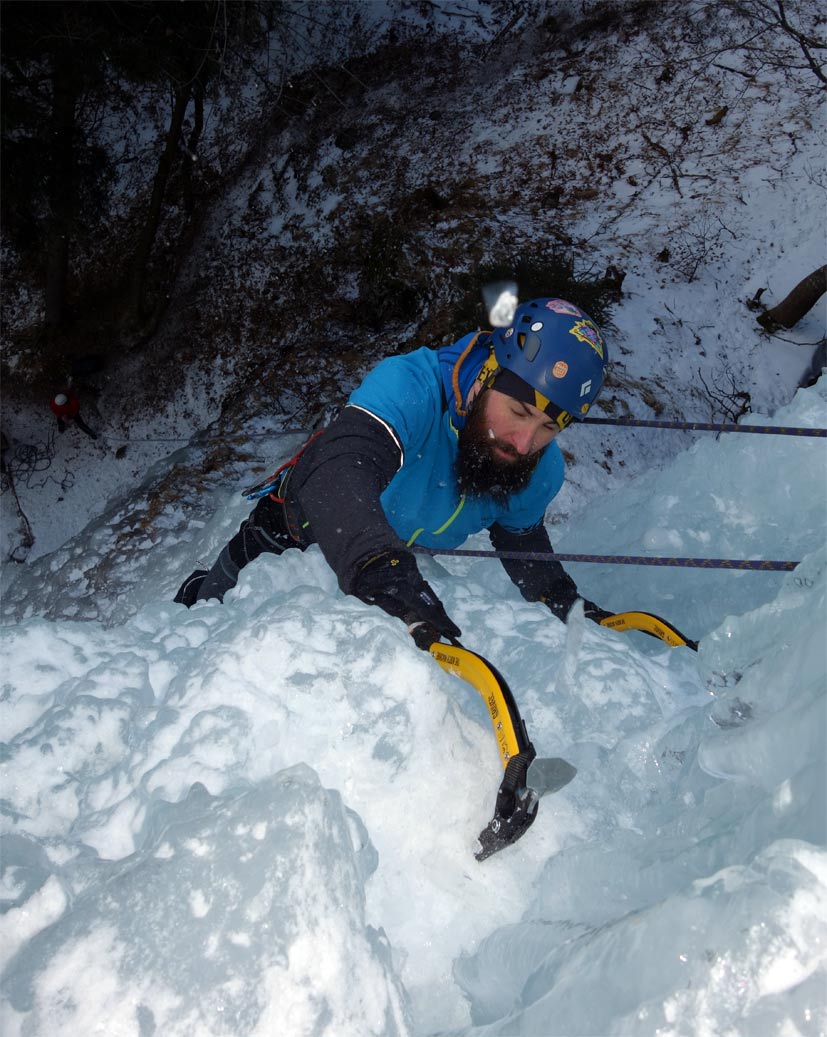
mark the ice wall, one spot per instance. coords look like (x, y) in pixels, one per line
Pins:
(220, 819)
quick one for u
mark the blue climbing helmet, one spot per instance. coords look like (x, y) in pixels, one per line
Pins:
(555, 350)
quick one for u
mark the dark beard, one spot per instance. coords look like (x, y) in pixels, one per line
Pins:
(479, 472)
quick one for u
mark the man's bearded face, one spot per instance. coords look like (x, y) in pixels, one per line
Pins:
(481, 469)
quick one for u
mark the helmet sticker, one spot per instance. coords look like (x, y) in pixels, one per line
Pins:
(537, 325)
(561, 306)
(584, 408)
(586, 387)
(509, 333)
(585, 331)
(560, 369)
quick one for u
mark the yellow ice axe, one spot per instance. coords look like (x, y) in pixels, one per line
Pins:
(516, 806)
(651, 624)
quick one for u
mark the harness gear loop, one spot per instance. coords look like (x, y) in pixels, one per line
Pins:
(289, 465)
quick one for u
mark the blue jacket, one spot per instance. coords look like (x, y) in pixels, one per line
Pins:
(414, 395)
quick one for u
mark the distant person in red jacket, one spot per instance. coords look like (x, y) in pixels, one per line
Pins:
(66, 408)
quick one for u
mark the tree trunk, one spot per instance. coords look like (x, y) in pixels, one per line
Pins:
(60, 184)
(140, 259)
(800, 301)
(192, 148)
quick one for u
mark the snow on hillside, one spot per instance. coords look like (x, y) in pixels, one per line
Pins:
(660, 147)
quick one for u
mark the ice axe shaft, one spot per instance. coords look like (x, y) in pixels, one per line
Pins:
(650, 624)
(516, 806)
(509, 727)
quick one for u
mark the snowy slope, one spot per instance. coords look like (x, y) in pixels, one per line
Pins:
(511, 136)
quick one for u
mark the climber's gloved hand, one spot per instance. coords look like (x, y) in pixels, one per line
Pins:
(392, 581)
(594, 612)
(562, 595)
(425, 635)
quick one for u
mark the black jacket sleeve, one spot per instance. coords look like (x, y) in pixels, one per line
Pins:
(333, 492)
(545, 581)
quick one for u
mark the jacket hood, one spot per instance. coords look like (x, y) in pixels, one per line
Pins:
(459, 366)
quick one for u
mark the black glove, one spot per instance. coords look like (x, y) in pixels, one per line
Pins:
(563, 595)
(594, 611)
(61, 426)
(188, 591)
(392, 581)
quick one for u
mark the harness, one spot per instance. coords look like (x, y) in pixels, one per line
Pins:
(275, 487)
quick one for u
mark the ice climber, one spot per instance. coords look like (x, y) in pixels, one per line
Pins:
(66, 408)
(433, 446)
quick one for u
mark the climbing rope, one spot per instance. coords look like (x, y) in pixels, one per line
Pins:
(197, 439)
(23, 462)
(750, 564)
(689, 426)
(708, 426)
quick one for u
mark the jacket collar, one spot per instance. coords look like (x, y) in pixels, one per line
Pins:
(460, 364)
